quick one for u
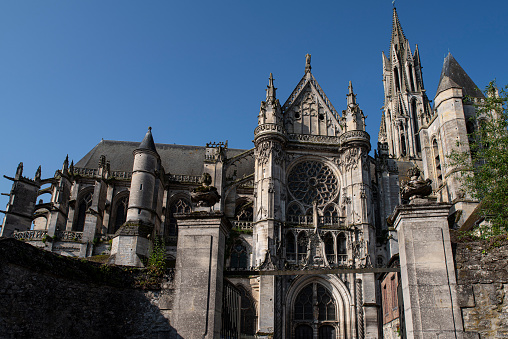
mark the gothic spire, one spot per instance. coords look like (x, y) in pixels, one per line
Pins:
(351, 97)
(398, 37)
(270, 91)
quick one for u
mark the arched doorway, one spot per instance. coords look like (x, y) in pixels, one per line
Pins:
(314, 313)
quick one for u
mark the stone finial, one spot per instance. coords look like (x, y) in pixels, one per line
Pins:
(19, 171)
(38, 174)
(351, 97)
(307, 63)
(270, 91)
(65, 165)
(71, 167)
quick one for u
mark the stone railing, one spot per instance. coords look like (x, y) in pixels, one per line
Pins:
(93, 172)
(86, 172)
(354, 136)
(309, 220)
(30, 235)
(194, 179)
(121, 175)
(69, 235)
(242, 225)
(319, 139)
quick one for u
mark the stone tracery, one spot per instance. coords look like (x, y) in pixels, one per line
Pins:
(313, 180)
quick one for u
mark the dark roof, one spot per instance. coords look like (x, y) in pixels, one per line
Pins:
(147, 142)
(176, 159)
(454, 76)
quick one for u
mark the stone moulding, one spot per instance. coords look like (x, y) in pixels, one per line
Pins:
(269, 128)
(318, 139)
(354, 136)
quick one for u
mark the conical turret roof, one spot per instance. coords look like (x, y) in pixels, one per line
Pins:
(454, 76)
(147, 142)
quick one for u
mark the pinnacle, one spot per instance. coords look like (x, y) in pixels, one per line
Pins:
(307, 63)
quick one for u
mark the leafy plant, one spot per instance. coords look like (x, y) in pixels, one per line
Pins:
(157, 259)
(484, 169)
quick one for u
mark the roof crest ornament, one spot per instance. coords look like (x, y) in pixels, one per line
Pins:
(307, 63)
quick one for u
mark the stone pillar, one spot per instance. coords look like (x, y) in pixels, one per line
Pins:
(199, 274)
(427, 271)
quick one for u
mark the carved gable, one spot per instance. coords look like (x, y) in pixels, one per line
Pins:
(308, 110)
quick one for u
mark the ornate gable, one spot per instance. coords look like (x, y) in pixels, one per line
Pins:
(308, 110)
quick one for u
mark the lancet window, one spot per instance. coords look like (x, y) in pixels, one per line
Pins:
(84, 204)
(437, 163)
(120, 213)
(341, 249)
(239, 256)
(248, 312)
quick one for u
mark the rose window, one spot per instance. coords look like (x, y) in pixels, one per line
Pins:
(313, 180)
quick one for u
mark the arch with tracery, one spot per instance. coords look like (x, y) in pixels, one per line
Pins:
(319, 307)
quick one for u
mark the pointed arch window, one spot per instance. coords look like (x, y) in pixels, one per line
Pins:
(179, 206)
(244, 212)
(437, 163)
(396, 79)
(84, 205)
(414, 114)
(411, 78)
(302, 247)
(331, 216)
(239, 256)
(341, 249)
(248, 316)
(329, 248)
(120, 213)
(315, 307)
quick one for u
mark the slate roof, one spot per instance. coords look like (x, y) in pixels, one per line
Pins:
(148, 142)
(454, 76)
(176, 159)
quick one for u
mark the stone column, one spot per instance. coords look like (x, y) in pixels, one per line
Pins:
(199, 274)
(427, 270)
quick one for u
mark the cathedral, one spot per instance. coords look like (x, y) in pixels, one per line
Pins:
(300, 228)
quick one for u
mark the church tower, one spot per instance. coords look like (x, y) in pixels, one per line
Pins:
(131, 242)
(269, 173)
(406, 105)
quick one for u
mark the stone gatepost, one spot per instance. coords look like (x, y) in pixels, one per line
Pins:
(199, 274)
(427, 271)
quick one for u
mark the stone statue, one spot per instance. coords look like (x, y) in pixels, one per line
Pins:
(415, 187)
(205, 195)
(307, 63)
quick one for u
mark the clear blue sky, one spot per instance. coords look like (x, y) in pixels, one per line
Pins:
(73, 72)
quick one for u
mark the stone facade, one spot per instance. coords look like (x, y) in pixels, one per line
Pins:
(306, 199)
(482, 277)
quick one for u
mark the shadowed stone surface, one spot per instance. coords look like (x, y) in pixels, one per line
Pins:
(43, 295)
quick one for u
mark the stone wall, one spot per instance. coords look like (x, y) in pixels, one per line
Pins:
(482, 278)
(43, 295)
